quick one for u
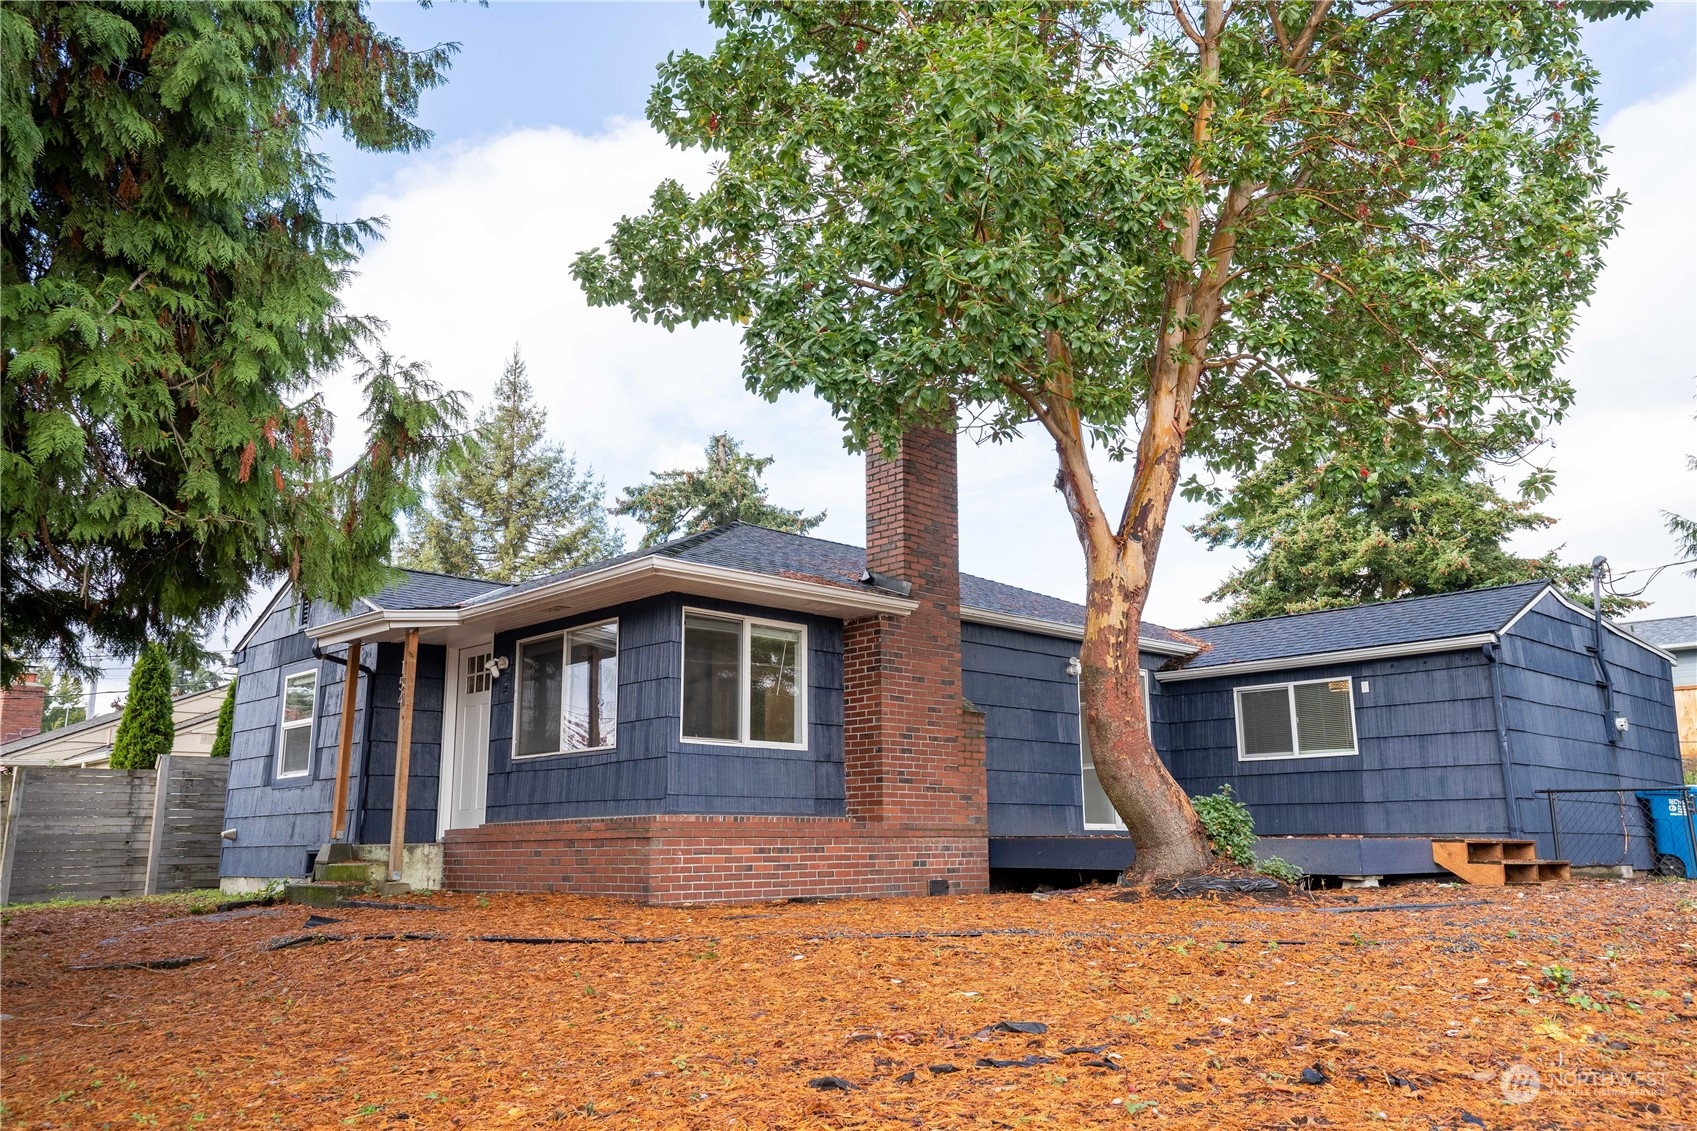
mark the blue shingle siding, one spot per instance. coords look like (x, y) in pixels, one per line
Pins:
(1556, 723)
(1031, 736)
(277, 823)
(652, 769)
(377, 789)
(1427, 758)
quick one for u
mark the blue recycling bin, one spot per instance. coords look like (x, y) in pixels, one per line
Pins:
(1673, 813)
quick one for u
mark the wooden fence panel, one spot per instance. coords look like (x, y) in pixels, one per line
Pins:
(78, 833)
(187, 845)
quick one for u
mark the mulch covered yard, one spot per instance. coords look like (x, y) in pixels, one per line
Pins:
(1309, 1011)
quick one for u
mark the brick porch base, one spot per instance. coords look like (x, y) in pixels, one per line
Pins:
(686, 858)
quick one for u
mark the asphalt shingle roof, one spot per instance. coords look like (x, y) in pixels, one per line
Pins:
(1407, 621)
(756, 549)
(1664, 632)
(418, 589)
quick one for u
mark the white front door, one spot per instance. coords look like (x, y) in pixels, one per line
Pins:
(468, 764)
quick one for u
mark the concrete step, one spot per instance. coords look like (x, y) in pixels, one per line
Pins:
(348, 871)
(322, 894)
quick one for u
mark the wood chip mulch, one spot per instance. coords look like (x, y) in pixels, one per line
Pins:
(1421, 1006)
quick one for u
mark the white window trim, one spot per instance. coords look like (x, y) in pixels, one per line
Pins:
(518, 689)
(744, 715)
(1117, 825)
(1290, 687)
(284, 726)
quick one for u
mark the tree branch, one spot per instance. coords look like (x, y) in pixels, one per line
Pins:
(134, 283)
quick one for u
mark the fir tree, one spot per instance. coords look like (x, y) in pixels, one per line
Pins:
(727, 490)
(147, 730)
(169, 295)
(1321, 540)
(226, 724)
(512, 506)
(65, 704)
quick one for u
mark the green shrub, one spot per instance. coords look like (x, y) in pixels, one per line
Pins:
(226, 724)
(146, 731)
(1279, 869)
(1231, 829)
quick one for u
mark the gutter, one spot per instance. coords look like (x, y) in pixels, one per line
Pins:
(1039, 627)
(1346, 656)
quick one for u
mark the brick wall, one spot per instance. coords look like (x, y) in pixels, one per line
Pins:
(903, 757)
(21, 706)
(687, 858)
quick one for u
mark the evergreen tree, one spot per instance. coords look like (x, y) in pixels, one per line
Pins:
(194, 670)
(65, 704)
(147, 730)
(226, 724)
(727, 490)
(169, 298)
(512, 506)
(1325, 541)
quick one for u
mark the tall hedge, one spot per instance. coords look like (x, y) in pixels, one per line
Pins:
(226, 724)
(146, 731)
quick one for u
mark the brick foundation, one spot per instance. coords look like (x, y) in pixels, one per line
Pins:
(714, 859)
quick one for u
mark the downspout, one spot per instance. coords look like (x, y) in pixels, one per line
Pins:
(1611, 722)
(1505, 751)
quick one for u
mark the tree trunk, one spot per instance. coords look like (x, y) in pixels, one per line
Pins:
(1164, 828)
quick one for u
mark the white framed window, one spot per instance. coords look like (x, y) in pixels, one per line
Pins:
(1099, 812)
(294, 737)
(1308, 719)
(568, 692)
(744, 680)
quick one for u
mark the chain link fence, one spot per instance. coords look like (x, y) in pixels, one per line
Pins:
(1609, 827)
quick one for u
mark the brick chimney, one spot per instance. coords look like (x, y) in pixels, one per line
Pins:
(913, 749)
(21, 706)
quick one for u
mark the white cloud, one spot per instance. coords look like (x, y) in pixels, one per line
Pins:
(481, 239)
(1620, 454)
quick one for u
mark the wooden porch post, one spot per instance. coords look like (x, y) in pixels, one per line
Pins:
(344, 748)
(403, 755)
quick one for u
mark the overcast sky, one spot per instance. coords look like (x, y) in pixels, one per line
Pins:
(541, 145)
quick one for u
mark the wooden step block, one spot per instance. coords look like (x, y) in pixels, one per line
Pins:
(1554, 871)
(1521, 872)
(1457, 856)
(1520, 850)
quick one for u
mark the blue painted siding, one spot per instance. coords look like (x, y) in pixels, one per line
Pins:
(1031, 744)
(1427, 761)
(1557, 730)
(279, 822)
(376, 794)
(652, 769)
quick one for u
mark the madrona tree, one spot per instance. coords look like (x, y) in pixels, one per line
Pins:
(168, 294)
(1153, 230)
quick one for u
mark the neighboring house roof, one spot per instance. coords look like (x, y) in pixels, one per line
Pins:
(89, 743)
(1665, 632)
